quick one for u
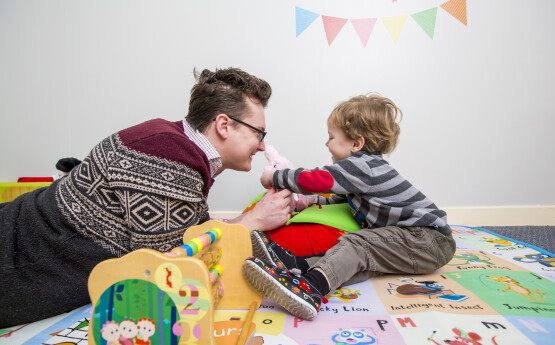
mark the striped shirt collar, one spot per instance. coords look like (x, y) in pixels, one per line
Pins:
(201, 141)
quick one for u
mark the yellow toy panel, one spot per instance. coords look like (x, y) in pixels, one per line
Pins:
(11, 190)
(150, 297)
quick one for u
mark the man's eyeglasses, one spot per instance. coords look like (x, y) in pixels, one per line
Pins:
(261, 133)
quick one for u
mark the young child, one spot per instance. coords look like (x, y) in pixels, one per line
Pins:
(403, 231)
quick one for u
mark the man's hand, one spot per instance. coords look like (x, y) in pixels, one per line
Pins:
(271, 212)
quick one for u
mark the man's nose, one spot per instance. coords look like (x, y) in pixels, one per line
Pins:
(262, 146)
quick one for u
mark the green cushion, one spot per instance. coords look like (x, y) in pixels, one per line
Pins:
(254, 201)
(336, 215)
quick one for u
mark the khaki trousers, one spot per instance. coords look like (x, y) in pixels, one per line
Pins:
(367, 253)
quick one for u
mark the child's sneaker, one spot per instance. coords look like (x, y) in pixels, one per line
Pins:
(267, 250)
(293, 293)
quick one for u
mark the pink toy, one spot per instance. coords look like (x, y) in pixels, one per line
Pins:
(277, 162)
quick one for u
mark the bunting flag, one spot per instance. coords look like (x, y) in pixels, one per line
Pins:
(364, 28)
(332, 26)
(394, 25)
(426, 20)
(304, 18)
(456, 8)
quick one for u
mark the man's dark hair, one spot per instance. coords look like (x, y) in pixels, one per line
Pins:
(224, 91)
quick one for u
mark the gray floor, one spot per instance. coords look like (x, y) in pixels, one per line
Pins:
(539, 236)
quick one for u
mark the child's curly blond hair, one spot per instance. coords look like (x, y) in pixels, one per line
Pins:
(372, 117)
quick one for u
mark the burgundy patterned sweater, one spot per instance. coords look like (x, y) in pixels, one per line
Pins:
(139, 188)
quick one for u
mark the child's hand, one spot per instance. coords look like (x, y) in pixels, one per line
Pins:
(302, 201)
(267, 179)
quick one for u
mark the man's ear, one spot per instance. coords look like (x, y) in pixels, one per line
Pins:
(221, 125)
(358, 144)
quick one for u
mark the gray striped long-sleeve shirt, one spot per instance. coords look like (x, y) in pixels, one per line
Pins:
(377, 194)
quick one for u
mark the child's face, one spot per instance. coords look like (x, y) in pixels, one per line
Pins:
(338, 144)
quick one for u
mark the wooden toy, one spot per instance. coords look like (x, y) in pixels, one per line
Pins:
(149, 297)
(248, 320)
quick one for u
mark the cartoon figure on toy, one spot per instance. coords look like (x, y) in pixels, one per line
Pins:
(110, 333)
(147, 328)
(128, 330)
(277, 162)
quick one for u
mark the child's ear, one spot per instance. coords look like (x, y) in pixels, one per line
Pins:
(358, 144)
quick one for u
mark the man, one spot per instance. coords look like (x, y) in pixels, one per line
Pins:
(141, 187)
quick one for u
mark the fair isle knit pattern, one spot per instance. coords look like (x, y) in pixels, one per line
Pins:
(126, 200)
(377, 193)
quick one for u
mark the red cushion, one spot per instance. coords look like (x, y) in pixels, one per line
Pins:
(306, 238)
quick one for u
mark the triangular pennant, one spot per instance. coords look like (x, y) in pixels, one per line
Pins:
(364, 28)
(394, 26)
(426, 20)
(456, 8)
(303, 19)
(332, 26)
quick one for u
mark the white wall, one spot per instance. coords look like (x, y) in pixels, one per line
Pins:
(477, 99)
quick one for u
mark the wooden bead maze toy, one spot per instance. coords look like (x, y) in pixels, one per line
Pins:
(149, 297)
